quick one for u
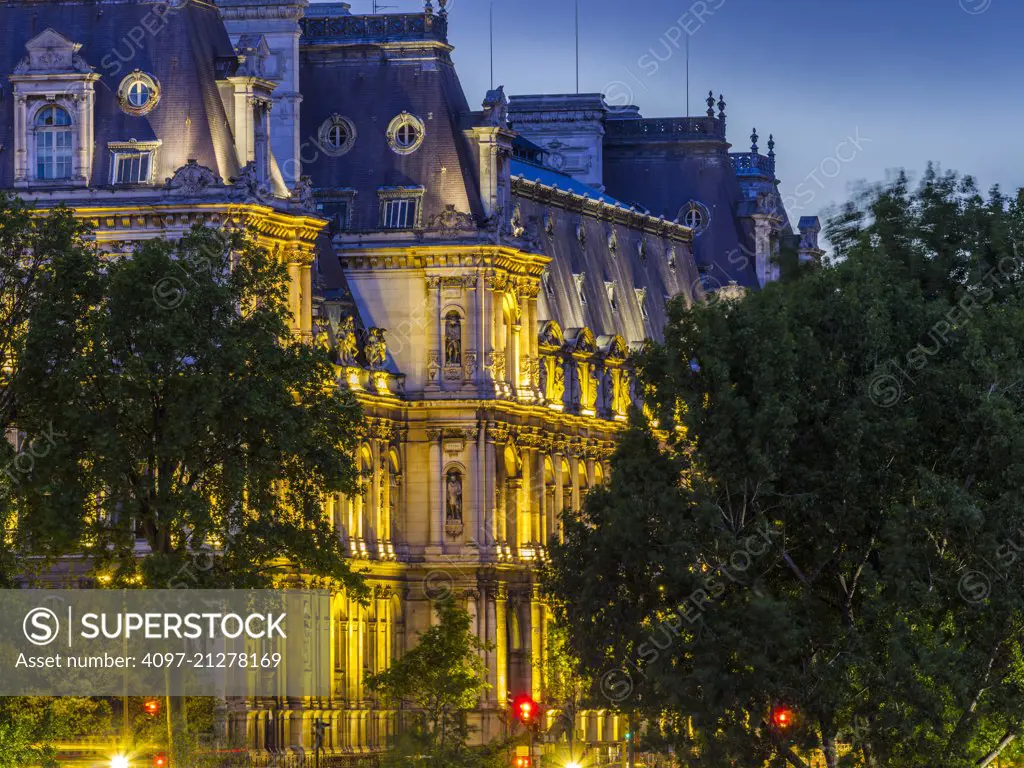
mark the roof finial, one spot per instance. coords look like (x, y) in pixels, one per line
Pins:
(711, 103)
(753, 141)
(721, 107)
(444, 10)
(771, 146)
(428, 7)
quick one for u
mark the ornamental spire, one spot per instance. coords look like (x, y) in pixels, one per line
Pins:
(711, 103)
(771, 146)
(721, 107)
(753, 141)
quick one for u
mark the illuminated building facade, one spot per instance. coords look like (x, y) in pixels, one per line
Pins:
(480, 277)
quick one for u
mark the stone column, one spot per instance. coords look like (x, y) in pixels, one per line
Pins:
(574, 471)
(501, 643)
(489, 533)
(435, 503)
(559, 496)
(490, 637)
(536, 646)
(514, 507)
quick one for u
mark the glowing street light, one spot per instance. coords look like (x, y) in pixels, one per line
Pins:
(119, 761)
(572, 764)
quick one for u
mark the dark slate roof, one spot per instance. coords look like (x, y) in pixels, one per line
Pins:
(664, 176)
(552, 178)
(370, 83)
(180, 47)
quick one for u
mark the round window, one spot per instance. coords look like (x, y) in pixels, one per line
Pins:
(139, 93)
(695, 216)
(405, 133)
(337, 135)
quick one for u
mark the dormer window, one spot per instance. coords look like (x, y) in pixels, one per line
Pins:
(52, 105)
(132, 161)
(400, 207)
(54, 139)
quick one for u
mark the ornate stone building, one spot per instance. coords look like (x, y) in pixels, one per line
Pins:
(481, 278)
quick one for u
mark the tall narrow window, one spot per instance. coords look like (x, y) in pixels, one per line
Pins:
(53, 143)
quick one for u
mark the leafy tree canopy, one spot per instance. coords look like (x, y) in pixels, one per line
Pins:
(442, 678)
(164, 399)
(832, 525)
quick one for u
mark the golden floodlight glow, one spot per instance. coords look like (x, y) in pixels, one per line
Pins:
(119, 761)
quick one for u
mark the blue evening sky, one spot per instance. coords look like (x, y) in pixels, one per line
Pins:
(850, 88)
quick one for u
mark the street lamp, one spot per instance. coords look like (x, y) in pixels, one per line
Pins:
(572, 764)
(119, 761)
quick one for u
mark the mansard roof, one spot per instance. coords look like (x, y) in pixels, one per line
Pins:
(182, 47)
(368, 77)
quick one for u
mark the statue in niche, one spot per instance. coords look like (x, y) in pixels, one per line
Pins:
(453, 502)
(453, 339)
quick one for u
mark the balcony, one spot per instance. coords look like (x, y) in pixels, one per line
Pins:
(385, 28)
(679, 128)
(753, 164)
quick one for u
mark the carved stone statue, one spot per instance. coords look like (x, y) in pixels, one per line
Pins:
(558, 384)
(453, 496)
(347, 346)
(302, 193)
(248, 180)
(376, 349)
(452, 339)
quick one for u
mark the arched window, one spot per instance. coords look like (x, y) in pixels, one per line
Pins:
(452, 339)
(53, 134)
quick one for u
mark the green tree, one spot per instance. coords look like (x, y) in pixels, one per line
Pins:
(31, 250)
(832, 523)
(31, 725)
(181, 411)
(441, 678)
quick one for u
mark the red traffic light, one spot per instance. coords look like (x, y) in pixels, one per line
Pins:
(160, 761)
(525, 709)
(782, 717)
(523, 762)
(151, 707)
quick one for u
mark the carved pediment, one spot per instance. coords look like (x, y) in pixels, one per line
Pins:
(50, 52)
(192, 179)
(551, 334)
(451, 220)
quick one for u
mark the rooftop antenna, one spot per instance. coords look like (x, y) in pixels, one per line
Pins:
(687, 75)
(492, 45)
(379, 6)
(577, 46)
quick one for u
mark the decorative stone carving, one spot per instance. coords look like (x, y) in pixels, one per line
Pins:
(581, 233)
(517, 223)
(433, 364)
(376, 349)
(469, 368)
(302, 193)
(248, 181)
(451, 220)
(348, 348)
(613, 242)
(549, 224)
(192, 179)
(495, 108)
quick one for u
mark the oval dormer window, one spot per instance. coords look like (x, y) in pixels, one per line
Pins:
(405, 133)
(696, 216)
(138, 94)
(337, 135)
